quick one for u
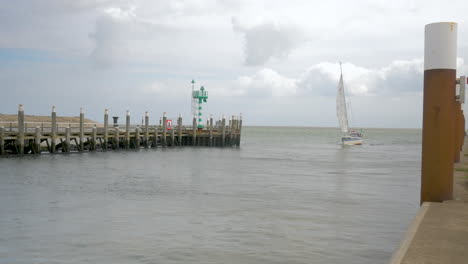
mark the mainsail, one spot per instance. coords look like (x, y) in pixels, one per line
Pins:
(341, 106)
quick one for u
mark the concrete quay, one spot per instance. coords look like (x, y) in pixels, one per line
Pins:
(439, 232)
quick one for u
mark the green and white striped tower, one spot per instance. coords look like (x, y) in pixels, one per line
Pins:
(202, 96)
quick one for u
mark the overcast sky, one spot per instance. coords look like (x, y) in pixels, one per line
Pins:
(274, 61)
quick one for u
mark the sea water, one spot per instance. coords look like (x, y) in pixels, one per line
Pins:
(287, 195)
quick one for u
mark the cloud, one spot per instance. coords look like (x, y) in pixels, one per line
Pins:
(400, 77)
(267, 40)
(267, 82)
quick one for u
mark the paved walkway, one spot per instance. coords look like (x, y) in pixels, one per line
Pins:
(439, 233)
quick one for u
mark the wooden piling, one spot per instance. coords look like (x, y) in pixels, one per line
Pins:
(106, 129)
(223, 131)
(172, 136)
(93, 138)
(438, 112)
(67, 139)
(210, 141)
(240, 130)
(127, 131)
(20, 140)
(116, 137)
(194, 131)
(164, 130)
(155, 144)
(53, 131)
(81, 148)
(137, 138)
(179, 129)
(2, 140)
(146, 129)
(37, 140)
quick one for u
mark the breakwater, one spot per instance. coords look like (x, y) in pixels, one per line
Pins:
(21, 137)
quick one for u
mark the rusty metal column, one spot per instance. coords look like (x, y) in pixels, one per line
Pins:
(440, 46)
(456, 149)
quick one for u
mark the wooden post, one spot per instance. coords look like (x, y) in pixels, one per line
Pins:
(223, 131)
(93, 138)
(2, 140)
(117, 137)
(146, 129)
(179, 129)
(194, 130)
(67, 139)
(127, 131)
(440, 54)
(20, 140)
(240, 130)
(137, 138)
(164, 128)
(81, 148)
(231, 131)
(155, 137)
(53, 131)
(37, 140)
(210, 142)
(172, 137)
(106, 129)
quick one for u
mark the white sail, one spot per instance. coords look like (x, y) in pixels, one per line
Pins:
(341, 107)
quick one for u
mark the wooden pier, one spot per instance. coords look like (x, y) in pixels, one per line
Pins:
(21, 137)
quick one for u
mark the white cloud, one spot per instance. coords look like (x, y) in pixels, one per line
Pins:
(267, 82)
(396, 79)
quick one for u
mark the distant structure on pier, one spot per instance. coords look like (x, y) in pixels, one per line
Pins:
(198, 98)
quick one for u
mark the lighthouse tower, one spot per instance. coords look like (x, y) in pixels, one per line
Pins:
(200, 96)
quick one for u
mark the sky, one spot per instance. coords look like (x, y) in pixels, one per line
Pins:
(276, 62)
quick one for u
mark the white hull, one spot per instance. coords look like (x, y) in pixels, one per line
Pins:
(351, 141)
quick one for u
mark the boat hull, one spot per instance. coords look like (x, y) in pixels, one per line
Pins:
(351, 141)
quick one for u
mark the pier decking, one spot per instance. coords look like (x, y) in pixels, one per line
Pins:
(19, 138)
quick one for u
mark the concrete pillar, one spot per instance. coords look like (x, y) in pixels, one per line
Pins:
(146, 129)
(81, 148)
(127, 130)
(440, 53)
(164, 130)
(20, 141)
(2, 140)
(53, 132)
(37, 140)
(106, 129)
(179, 129)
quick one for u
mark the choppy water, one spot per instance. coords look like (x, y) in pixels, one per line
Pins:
(288, 195)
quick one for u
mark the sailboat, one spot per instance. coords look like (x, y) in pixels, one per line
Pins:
(348, 137)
